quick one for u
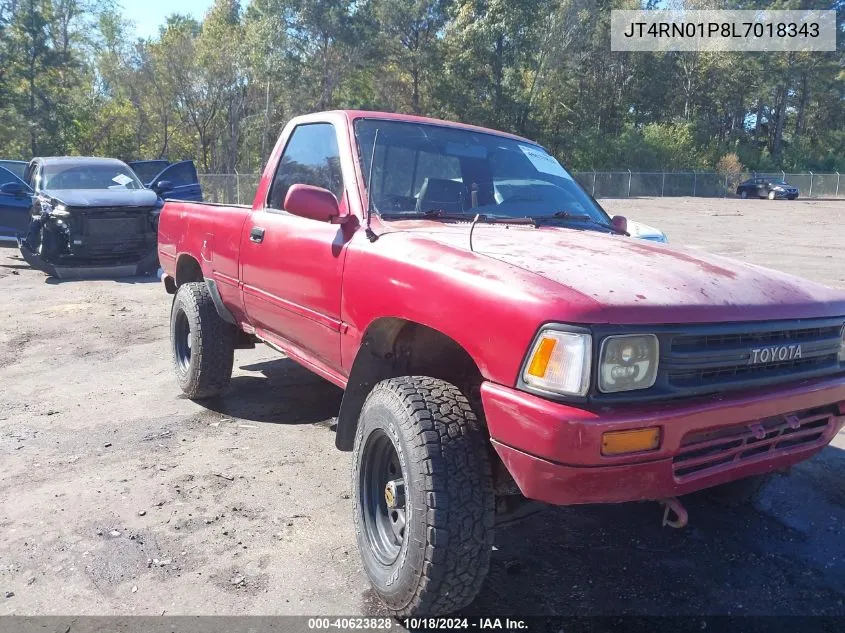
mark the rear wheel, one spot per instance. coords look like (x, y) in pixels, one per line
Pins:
(423, 496)
(740, 492)
(202, 343)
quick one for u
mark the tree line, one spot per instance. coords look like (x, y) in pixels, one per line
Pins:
(75, 80)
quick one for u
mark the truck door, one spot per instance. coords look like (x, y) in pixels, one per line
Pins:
(15, 204)
(292, 267)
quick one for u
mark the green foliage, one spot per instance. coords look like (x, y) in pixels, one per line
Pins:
(74, 79)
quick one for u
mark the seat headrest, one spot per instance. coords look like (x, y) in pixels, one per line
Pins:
(440, 193)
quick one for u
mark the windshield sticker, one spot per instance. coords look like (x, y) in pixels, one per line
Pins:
(122, 179)
(543, 162)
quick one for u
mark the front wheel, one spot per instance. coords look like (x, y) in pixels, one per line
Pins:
(203, 344)
(743, 194)
(423, 499)
(772, 195)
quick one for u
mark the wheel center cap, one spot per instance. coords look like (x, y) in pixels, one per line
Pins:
(394, 494)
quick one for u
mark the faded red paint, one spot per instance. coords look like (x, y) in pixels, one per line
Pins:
(313, 288)
(706, 266)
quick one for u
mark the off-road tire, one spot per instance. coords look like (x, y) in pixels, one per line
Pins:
(449, 499)
(740, 492)
(212, 343)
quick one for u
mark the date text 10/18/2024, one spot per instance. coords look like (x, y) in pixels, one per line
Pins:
(443, 624)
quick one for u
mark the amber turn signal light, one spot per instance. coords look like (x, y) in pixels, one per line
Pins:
(636, 441)
(542, 356)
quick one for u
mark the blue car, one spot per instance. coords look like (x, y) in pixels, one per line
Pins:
(177, 181)
(73, 215)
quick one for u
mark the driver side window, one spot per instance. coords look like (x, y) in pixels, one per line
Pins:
(311, 157)
(6, 176)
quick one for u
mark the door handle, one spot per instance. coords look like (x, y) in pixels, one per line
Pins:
(256, 235)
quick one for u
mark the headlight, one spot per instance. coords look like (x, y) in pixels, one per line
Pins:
(60, 211)
(628, 362)
(560, 362)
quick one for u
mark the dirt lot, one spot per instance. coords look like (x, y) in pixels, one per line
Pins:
(118, 496)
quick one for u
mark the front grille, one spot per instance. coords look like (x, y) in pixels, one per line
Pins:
(703, 452)
(701, 359)
(728, 374)
(722, 359)
(116, 228)
(720, 340)
(111, 250)
(111, 233)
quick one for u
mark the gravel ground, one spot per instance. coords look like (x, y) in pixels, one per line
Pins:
(119, 496)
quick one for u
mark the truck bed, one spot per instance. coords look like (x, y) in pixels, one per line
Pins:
(208, 233)
(207, 204)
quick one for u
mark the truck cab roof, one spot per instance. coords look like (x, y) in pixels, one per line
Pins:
(352, 115)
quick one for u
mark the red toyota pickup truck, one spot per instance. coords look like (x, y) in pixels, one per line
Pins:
(498, 336)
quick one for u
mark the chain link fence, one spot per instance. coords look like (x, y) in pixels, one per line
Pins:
(702, 184)
(229, 188)
(240, 188)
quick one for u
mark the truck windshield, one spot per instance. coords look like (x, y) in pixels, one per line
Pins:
(418, 168)
(89, 176)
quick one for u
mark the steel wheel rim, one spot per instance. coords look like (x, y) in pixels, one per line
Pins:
(182, 340)
(383, 526)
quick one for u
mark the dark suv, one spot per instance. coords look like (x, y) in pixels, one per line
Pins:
(91, 213)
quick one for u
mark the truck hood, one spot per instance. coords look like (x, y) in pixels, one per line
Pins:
(619, 279)
(82, 198)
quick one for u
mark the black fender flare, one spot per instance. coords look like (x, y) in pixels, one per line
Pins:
(222, 310)
(368, 368)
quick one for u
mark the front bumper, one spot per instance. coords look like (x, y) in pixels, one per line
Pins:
(553, 450)
(74, 268)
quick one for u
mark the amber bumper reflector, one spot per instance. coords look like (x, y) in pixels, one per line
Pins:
(636, 441)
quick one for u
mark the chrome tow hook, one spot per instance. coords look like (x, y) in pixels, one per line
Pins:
(674, 507)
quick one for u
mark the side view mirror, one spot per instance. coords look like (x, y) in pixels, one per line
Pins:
(315, 203)
(13, 189)
(620, 223)
(162, 186)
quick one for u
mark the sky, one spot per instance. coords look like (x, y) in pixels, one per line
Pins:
(148, 15)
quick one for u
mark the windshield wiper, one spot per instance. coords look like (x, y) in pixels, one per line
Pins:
(431, 214)
(440, 214)
(574, 217)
